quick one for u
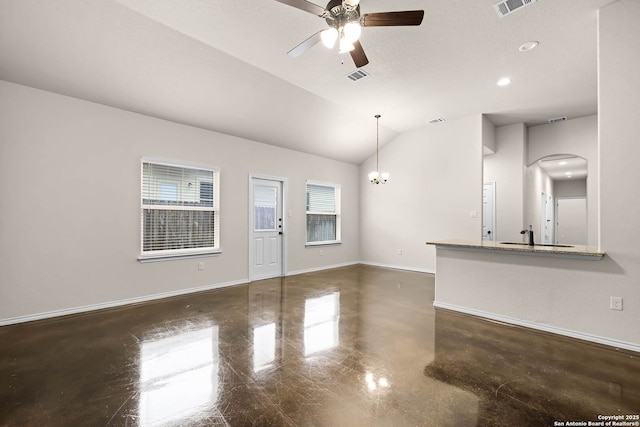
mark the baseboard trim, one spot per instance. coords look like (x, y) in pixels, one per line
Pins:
(316, 269)
(541, 327)
(114, 304)
(180, 292)
(399, 267)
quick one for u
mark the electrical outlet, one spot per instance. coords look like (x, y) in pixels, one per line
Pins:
(201, 265)
(320, 252)
(399, 251)
(616, 303)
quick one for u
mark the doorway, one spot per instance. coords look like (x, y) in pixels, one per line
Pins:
(489, 211)
(571, 220)
(266, 227)
(546, 219)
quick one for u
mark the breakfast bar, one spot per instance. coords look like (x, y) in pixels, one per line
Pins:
(520, 248)
(529, 286)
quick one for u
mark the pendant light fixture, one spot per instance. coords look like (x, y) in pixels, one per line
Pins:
(375, 176)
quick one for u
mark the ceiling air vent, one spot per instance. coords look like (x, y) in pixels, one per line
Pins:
(506, 7)
(357, 75)
(436, 120)
(558, 119)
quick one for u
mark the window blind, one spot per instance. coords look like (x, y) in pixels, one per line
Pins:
(179, 209)
(322, 213)
(321, 198)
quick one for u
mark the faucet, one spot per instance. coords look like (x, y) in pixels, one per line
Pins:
(530, 231)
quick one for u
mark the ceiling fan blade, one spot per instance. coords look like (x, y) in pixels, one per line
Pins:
(305, 45)
(392, 19)
(358, 56)
(304, 5)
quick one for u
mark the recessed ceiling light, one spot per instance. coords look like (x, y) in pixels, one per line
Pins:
(505, 81)
(526, 47)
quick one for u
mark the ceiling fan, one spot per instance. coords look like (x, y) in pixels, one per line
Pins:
(345, 24)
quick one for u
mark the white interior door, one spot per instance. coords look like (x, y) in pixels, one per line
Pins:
(266, 228)
(488, 211)
(571, 220)
(546, 219)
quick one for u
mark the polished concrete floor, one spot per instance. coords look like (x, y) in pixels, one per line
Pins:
(355, 346)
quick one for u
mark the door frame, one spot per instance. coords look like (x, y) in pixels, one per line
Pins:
(285, 214)
(546, 217)
(492, 186)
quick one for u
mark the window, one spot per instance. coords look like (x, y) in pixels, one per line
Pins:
(180, 209)
(265, 204)
(323, 213)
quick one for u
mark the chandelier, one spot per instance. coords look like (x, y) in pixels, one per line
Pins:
(375, 176)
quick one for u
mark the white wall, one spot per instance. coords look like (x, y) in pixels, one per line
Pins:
(537, 182)
(576, 136)
(70, 186)
(571, 188)
(506, 169)
(489, 143)
(618, 107)
(567, 296)
(436, 181)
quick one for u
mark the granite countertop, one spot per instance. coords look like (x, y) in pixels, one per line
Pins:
(518, 248)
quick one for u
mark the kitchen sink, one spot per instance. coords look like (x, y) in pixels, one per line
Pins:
(537, 244)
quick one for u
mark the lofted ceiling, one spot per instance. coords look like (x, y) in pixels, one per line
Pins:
(222, 65)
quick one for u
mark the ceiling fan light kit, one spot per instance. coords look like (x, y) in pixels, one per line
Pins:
(345, 46)
(329, 37)
(351, 31)
(345, 24)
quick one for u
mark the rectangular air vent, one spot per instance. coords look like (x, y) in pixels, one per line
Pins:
(558, 119)
(506, 7)
(436, 120)
(357, 75)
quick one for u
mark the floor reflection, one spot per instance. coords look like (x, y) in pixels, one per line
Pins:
(354, 346)
(264, 346)
(178, 376)
(321, 323)
(265, 318)
(531, 378)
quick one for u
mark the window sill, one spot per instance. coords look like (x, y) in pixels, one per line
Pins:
(156, 258)
(329, 243)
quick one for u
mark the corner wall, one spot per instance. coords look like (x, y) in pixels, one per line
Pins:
(70, 218)
(566, 296)
(576, 136)
(435, 183)
(618, 107)
(506, 169)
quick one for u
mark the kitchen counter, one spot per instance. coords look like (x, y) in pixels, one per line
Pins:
(518, 248)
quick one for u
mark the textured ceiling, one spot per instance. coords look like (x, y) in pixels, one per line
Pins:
(222, 65)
